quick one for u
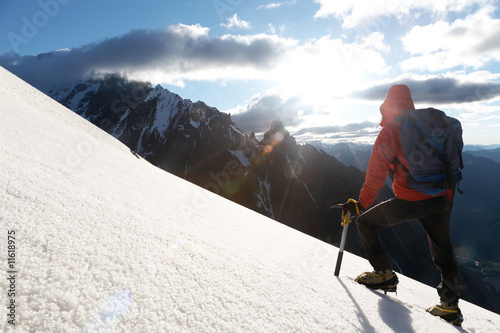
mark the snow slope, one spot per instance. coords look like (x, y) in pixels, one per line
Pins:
(107, 242)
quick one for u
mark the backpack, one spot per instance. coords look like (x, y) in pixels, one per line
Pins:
(432, 144)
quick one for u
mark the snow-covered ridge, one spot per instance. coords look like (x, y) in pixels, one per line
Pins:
(107, 242)
(166, 110)
(75, 99)
(143, 117)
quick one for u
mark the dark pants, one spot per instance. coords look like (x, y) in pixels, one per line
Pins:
(434, 214)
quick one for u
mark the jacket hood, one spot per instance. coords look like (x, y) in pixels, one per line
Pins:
(397, 101)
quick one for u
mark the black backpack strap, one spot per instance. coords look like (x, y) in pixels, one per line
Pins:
(396, 160)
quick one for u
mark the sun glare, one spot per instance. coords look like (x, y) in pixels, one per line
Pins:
(325, 70)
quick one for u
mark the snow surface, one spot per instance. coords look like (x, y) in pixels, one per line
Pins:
(167, 102)
(107, 242)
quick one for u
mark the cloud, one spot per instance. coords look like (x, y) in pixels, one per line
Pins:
(296, 115)
(471, 42)
(439, 90)
(258, 114)
(235, 22)
(277, 4)
(356, 13)
(460, 92)
(270, 5)
(179, 52)
(317, 68)
(334, 129)
(364, 132)
(375, 41)
(328, 67)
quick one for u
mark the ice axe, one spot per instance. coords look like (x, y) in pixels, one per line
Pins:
(342, 240)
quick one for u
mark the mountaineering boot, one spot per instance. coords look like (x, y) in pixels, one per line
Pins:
(384, 280)
(450, 313)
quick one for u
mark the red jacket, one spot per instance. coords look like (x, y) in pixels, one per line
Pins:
(386, 148)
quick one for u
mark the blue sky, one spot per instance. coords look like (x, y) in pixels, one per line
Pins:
(322, 67)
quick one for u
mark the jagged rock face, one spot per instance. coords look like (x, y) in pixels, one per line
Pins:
(291, 183)
(305, 182)
(172, 133)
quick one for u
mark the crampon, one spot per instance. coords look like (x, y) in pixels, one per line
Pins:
(450, 313)
(387, 281)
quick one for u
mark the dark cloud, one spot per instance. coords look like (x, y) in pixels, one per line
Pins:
(342, 130)
(260, 112)
(489, 44)
(363, 136)
(177, 50)
(438, 91)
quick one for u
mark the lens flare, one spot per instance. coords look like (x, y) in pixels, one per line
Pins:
(465, 254)
(278, 138)
(154, 264)
(232, 188)
(110, 312)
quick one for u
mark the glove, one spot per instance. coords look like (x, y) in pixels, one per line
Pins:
(350, 209)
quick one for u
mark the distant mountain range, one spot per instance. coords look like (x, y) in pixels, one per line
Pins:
(480, 147)
(292, 183)
(358, 155)
(348, 153)
(492, 154)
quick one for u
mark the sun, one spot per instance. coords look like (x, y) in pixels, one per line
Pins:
(324, 69)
